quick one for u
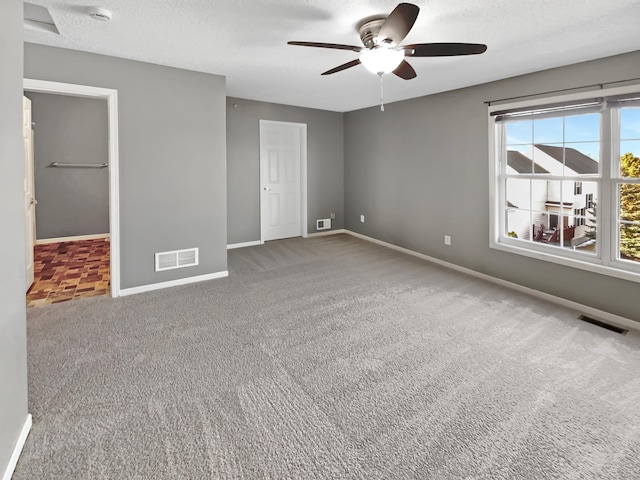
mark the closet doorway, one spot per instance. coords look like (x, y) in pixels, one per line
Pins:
(76, 192)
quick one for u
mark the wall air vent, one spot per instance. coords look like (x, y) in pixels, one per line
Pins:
(324, 224)
(176, 259)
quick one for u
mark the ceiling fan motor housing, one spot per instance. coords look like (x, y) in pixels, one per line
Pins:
(369, 32)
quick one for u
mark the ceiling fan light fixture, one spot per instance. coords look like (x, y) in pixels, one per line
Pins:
(381, 60)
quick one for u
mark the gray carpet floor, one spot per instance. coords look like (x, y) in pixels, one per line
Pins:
(329, 358)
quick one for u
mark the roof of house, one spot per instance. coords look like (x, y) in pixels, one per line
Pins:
(521, 163)
(573, 159)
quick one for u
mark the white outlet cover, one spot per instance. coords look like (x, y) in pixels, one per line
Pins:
(362, 218)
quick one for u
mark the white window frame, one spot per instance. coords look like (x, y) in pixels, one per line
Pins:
(605, 261)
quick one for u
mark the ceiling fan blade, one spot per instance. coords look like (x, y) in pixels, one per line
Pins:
(344, 66)
(406, 71)
(398, 23)
(443, 49)
(336, 46)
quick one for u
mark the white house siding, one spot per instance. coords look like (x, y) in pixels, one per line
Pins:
(537, 195)
(546, 161)
(530, 197)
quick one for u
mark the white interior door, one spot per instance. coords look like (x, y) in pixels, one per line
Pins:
(282, 150)
(29, 188)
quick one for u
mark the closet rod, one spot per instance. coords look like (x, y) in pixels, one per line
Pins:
(79, 165)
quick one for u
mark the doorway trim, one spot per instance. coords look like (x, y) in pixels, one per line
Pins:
(304, 228)
(73, 90)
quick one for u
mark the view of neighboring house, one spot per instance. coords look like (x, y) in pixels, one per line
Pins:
(538, 207)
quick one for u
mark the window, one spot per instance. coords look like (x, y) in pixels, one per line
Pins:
(577, 188)
(628, 185)
(566, 180)
(589, 200)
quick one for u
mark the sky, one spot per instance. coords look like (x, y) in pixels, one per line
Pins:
(630, 131)
(576, 131)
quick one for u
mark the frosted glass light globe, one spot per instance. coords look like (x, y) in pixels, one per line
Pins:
(381, 60)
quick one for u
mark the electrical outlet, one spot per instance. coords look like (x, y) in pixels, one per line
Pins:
(333, 216)
(362, 218)
(447, 240)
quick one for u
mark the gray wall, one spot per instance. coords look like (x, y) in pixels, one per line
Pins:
(71, 201)
(420, 170)
(13, 343)
(172, 157)
(325, 165)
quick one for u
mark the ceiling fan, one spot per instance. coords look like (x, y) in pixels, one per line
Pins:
(382, 52)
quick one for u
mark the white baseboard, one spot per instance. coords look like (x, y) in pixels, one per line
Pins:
(173, 283)
(231, 246)
(328, 232)
(13, 461)
(589, 311)
(76, 238)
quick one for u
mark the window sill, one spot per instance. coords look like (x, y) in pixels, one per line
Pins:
(590, 266)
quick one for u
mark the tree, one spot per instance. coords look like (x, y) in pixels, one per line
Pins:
(630, 208)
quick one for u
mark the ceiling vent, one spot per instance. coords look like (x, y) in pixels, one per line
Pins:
(38, 18)
(176, 259)
(100, 14)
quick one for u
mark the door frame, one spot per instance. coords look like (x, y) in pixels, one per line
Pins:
(304, 228)
(111, 96)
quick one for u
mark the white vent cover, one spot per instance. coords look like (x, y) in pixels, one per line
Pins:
(324, 224)
(176, 259)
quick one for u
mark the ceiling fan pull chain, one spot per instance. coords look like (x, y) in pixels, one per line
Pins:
(381, 94)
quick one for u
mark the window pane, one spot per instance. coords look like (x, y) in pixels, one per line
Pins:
(629, 195)
(568, 232)
(539, 195)
(553, 196)
(582, 128)
(629, 213)
(519, 193)
(630, 161)
(538, 219)
(549, 157)
(581, 158)
(548, 130)
(584, 235)
(578, 195)
(630, 123)
(630, 242)
(519, 132)
(519, 161)
(518, 224)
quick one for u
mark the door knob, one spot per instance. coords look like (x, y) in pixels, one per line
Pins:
(267, 189)
(33, 202)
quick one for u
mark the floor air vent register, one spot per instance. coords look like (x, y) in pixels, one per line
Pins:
(602, 324)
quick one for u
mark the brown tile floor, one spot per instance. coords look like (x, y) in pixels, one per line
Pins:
(69, 270)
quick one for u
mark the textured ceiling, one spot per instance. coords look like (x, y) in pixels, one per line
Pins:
(245, 40)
